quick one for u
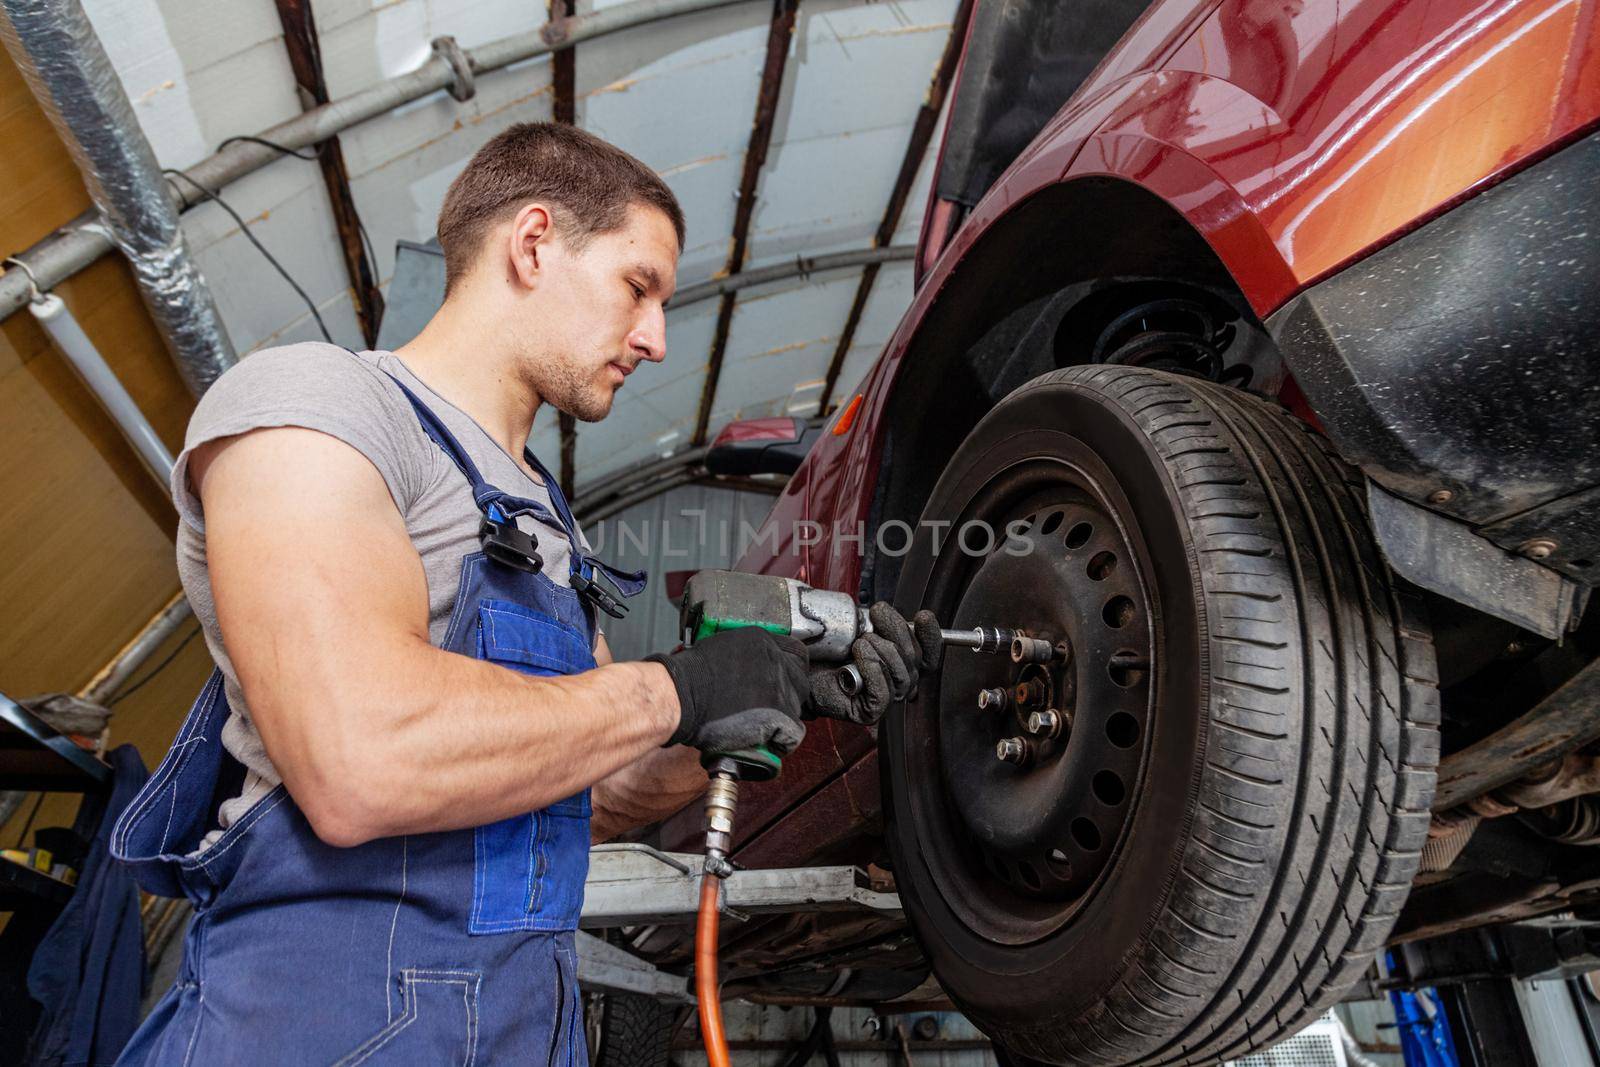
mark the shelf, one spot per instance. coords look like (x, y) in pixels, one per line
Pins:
(33, 755)
(25, 887)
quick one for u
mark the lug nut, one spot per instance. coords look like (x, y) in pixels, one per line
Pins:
(1046, 723)
(992, 699)
(1026, 649)
(1014, 750)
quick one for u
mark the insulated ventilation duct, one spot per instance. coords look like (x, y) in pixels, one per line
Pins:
(69, 72)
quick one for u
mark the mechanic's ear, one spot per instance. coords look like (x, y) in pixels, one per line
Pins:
(530, 239)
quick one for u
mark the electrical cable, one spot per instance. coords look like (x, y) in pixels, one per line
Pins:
(263, 142)
(311, 156)
(153, 671)
(245, 229)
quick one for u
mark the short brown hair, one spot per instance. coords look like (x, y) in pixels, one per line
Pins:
(591, 181)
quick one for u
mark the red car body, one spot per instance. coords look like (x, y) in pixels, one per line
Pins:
(1295, 137)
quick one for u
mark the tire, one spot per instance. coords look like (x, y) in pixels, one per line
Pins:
(635, 1031)
(1274, 783)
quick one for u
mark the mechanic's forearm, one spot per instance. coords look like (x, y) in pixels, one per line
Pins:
(651, 788)
(439, 741)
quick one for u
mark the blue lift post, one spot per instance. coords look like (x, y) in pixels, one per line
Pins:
(1424, 1032)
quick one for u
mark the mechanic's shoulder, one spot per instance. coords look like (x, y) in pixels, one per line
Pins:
(312, 373)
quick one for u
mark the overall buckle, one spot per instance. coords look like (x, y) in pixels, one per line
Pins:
(591, 589)
(504, 543)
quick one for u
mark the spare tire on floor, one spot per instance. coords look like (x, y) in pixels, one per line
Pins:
(1228, 817)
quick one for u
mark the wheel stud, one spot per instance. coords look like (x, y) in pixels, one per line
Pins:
(1014, 750)
(1046, 723)
(992, 699)
(1029, 693)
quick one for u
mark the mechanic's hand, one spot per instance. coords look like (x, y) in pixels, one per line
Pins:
(890, 659)
(739, 689)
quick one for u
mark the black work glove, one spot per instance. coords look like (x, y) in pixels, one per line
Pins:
(739, 689)
(890, 659)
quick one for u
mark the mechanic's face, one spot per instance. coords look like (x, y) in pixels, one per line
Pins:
(604, 315)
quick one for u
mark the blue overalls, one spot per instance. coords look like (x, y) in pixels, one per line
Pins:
(439, 948)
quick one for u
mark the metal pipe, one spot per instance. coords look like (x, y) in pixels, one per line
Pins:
(798, 267)
(104, 685)
(113, 675)
(64, 254)
(57, 320)
(67, 69)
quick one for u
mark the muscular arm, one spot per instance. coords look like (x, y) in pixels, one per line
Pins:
(323, 607)
(650, 788)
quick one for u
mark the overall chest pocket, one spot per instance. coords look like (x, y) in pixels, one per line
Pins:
(529, 869)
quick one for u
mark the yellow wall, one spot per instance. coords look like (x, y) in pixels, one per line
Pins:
(86, 555)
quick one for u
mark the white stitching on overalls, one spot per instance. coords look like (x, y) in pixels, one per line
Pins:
(394, 921)
(242, 829)
(469, 982)
(169, 768)
(199, 1015)
(365, 1051)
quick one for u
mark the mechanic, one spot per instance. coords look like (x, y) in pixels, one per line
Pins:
(385, 830)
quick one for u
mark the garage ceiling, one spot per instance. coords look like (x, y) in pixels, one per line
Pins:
(679, 94)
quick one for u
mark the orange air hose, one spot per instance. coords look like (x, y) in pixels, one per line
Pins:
(706, 989)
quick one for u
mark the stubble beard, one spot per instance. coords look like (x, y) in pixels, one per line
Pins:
(565, 387)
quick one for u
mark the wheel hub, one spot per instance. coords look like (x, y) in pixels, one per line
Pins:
(1043, 779)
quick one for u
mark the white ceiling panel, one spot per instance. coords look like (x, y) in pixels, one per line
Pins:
(254, 300)
(891, 295)
(197, 71)
(680, 96)
(856, 83)
(782, 339)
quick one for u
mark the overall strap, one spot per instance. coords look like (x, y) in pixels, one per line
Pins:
(585, 565)
(490, 499)
(501, 507)
(435, 428)
(557, 497)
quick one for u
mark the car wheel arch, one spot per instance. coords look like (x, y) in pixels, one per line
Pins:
(1126, 245)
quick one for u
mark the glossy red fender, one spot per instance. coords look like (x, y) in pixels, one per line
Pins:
(1295, 136)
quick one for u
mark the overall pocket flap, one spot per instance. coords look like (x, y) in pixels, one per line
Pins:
(511, 634)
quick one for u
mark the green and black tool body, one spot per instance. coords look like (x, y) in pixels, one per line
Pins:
(825, 621)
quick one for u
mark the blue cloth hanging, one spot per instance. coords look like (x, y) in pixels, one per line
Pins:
(89, 971)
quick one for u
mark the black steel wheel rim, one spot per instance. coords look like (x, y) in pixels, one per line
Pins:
(1021, 848)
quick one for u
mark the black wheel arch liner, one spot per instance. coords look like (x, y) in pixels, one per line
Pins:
(1459, 368)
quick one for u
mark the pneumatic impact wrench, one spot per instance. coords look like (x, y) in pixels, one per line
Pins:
(828, 623)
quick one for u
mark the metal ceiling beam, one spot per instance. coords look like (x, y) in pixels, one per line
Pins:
(910, 163)
(779, 34)
(82, 241)
(564, 87)
(305, 58)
